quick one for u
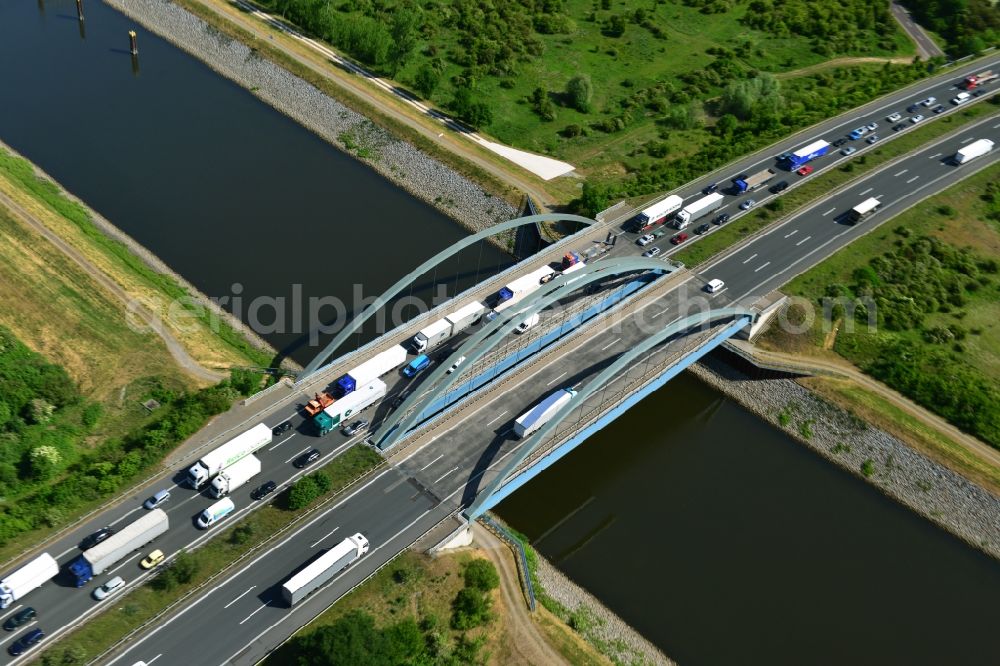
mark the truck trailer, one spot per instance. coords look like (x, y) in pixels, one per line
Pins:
(231, 452)
(754, 182)
(514, 292)
(973, 150)
(235, 476)
(976, 80)
(140, 532)
(378, 365)
(539, 415)
(657, 213)
(697, 209)
(447, 327)
(16, 585)
(324, 568)
(810, 152)
(349, 405)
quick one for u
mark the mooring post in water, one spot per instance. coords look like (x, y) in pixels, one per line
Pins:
(79, 9)
(133, 49)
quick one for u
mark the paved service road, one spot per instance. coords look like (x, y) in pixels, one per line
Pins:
(926, 47)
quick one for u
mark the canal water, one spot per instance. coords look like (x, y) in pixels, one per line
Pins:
(237, 198)
(716, 536)
(724, 541)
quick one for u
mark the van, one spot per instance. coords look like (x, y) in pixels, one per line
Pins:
(715, 286)
(215, 513)
(413, 368)
(525, 325)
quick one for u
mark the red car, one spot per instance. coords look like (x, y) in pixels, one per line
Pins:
(678, 239)
(805, 171)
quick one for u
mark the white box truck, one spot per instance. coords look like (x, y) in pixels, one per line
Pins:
(443, 329)
(324, 568)
(378, 365)
(215, 513)
(232, 451)
(973, 150)
(697, 209)
(349, 405)
(539, 415)
(235, 476)
(140, 532)
(31, 576)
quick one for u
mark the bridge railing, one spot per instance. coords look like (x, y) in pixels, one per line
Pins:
(520, 557)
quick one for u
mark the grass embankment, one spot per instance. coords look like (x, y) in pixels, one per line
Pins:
(145, 602)
(931, 274)
(822, 184)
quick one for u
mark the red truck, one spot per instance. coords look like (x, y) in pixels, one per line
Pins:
(320, 402)
(979, 79)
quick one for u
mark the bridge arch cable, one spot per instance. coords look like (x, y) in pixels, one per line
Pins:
(432, 263)
(408, 414)
(623, 362)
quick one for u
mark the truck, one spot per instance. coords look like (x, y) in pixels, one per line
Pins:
(378, 365)
(319, 402)
(867, 207)
(973, 150)
(657, 213)
(16, 585)
(754, 182)
(231, 452)
(138, 533)
(539, 415)
(354, 402)
(976, 80)
(215, 513)
(235, 476)
(810, 152)
(321, 570)
(443, 329)
(697, 209)
(570, 259)
(517, 290)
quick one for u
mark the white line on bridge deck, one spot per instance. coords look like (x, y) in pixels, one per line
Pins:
(935, 155)
(439, 457)
(494, 419)
(750, 259)
(282, 441)
(912, 179)
(442, 477)
(557, 378)
(313, 545)
(793, 232)
(897, 175)
(866, 191)
(255, 612)
(763, 267)
(829, 211)
(297, 454)
(239, 597)
(661, 312)
(611, 344)
(803, 241)
(967, 140)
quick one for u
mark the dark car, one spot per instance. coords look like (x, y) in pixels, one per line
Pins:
(355, 428)
(839, 142)
(911, 108)
(896, 128)
(939, 108)
(263, 491)
(702, 229)
(979, 92)
(281, 428)
(22, 644)
(779, 187)
(97, 537)
(401, 398)
(721, 219)
(708, 189)
(307, 458)
(23, 616)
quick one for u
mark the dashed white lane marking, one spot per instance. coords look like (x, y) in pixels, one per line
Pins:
(298, 454)
(935, 155)
(239, 597)
(803, 241)
(282, 441)
(494, 419)
(762, 267)
(438, 458)
(313, 544)
(829, 211)
(897, 175)
(967, 140)
(866, 191)
(123, 564)
(752, 257)
(255, 612)
(443, 476)
(912, 179)
(557, 378)
(611, 344)
(792, 233)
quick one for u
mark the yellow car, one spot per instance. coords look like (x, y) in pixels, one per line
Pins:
(152, 559)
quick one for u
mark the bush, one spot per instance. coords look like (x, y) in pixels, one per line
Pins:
(470, 609)
(579, 90)
(181, 571)
(481, 575)
(302, 493)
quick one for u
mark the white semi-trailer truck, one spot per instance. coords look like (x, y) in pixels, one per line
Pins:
(325, 567)
(443, 329)
(110, 551)
(381, 364)
(31, 576)
(233, 451)
(539, 415)
(697, 209)
(235, 476)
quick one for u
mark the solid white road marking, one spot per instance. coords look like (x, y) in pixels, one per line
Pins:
(912, 179)
(298, 454)
(611, 344)
(440, 478)
(438, 458)
(239, 597)
(282, 441)
(313, 545)
(752, 257)
(829, 211)
(255, 612)
(793, 232)
(557, 378)
(803, 241)
(897, 175)
(763, 267)
(495, 419)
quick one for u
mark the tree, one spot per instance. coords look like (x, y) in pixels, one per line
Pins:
(406, 20)
(593, 200)
(543, 105)
(471, 608)
(426, 80)
(44, 461)
(181, 571)
(477, 114)
(481, 575)
(579, 91)
(302, 493)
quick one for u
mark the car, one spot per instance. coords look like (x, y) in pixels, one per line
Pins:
(708, 189)
(662, 231)
(157, 499)
(748, 204)
(714, 286)
(721, 219)
(805, 171)
(893, 117)
(979, 92)
(679, 238)
(839, 142)
(416, 366)
(307, 458)
(911, 108)
(916, 119)
(22, 644)
(530, 322)
(22, 617)
(645, 240)
(872, 139)
(401, 398)
(780, 186)
(872, 126)
(355, 428)
(97, 537)
(152, 559)
(938, 109)
(858, 133)
(454, 366)
(930, 100)
(702, 229)
(547, 278)
(262, 491)
(896, 128)
(849, 150)
(281, 428)
(652, 252)
(109, 588)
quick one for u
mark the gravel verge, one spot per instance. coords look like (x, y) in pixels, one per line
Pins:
(398, 161)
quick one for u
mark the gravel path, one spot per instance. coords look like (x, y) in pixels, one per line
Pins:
(397, 160)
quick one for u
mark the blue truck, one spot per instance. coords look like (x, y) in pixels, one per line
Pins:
(810, 152)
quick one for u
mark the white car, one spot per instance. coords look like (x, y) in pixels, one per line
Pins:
(893, 117)
(961, 98)
(916, 119)
(454, 367)
(109, 588)
(872, 139)
(871, 127)
(715, 286)
(929, 101)
(646, 240)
